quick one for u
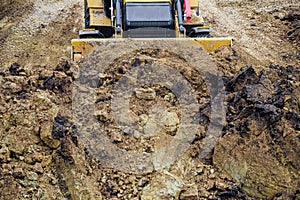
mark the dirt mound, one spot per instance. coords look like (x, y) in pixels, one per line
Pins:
(262, 131)
(41, 147)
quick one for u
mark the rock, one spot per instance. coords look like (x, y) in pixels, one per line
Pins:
(151, 128)
(6, 169)
(38, 168)
(221, 185)
(137, 134)
(44, 74)
(164, 186)
(230, 192)
(18, 173)
(143, 183)
(4, 154)
(209, 184)
(46, 161)
(257, 93)
(59, 74)
(253, 170)
(47, 127)
(14, 68)
(146, 94)
(189, 192)
(204, 193)
(46, 136)
(116, 137)
(32, 176)
(13, 87)
(171, 121)
(102, 115)
(77, 177)
(15, 148)
(170, 97)
(246, 75)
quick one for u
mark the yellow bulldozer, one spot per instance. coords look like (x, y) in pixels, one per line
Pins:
(114, 20)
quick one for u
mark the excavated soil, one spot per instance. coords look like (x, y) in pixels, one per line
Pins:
(50, 150)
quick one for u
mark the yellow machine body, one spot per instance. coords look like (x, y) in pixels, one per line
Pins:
(111, 20)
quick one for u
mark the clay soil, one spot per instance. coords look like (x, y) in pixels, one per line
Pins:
(44, 156)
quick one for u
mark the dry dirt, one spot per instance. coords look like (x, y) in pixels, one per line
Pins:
(44, 156)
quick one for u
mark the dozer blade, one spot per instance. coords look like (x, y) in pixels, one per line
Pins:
(82, 47)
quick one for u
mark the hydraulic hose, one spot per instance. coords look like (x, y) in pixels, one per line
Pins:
(179, 14)
(118, 16)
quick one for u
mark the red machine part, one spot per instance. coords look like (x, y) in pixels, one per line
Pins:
(187, 10)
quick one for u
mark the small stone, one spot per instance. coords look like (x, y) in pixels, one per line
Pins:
(32, 176)
(143, 183)
(37, 157)
(13, 87)
(143, 119)
(189, 192)
(6, 169)
(212, 176)
(103, 179)
(170, 97)
(137, 134)
(16, 148)
(54, 181)
(204, 194)
(200, 169)
(132, 179)
(151, 128)
(128, 131)
(59, 74)
(121, 183)
(221, 185)
(145, 93)
(102, 115)
(165, 186)
(209, 184)
(167, 98)
(18, 173)
(46, 161)
(116, 137)
(6, 166)
(46, 136)
(38, 168)
(45, 74)
(171, 121)
(4, 154)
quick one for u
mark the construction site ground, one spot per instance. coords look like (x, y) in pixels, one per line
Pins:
(257, 156)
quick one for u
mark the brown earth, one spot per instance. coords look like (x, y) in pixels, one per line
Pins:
(44, 156)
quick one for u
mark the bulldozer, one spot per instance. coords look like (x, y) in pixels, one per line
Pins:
(115, 20)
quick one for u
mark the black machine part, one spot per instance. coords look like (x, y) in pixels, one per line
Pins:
(153, 14)
(179, 13)
(118, 4)
(90, 34)
(200, 32)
